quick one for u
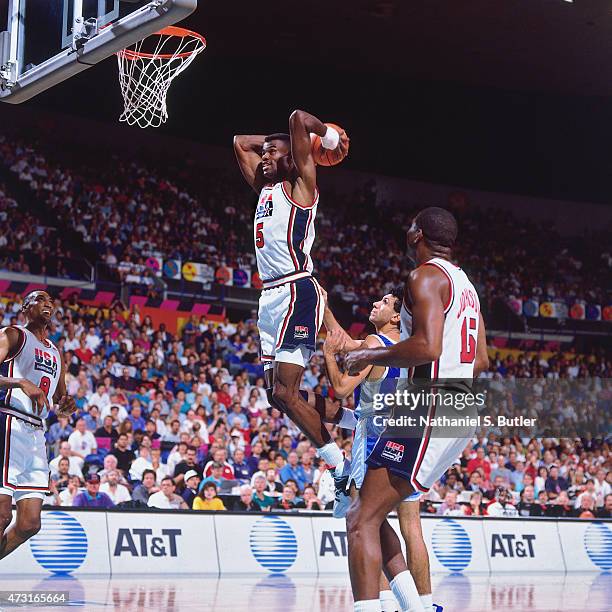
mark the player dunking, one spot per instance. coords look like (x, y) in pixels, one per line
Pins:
(281, 169)
(32, 378)
(443, 337)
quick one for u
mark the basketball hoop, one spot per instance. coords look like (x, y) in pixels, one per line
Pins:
(147, 68)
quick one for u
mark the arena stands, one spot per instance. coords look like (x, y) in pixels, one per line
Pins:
(192, 406)
(133, 217)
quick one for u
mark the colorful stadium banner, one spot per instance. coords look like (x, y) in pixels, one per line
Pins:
(224, 276)
(197, 272)
(531, 308)
(155, 265)
(172, 268)
(242, 277)
(578, 311)
(516, 305)
(593, 312)
(547, 309)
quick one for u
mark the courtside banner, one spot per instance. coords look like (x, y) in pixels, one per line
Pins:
(587, 545)
(265, 543)
(331, 544)
(455, 545)
(162, 543)
(68, 543)
(525, 546)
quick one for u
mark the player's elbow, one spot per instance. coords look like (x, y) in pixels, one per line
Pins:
(481, 364)
(296, 118)
(431, 352)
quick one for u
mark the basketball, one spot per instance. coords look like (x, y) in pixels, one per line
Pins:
(327, 157)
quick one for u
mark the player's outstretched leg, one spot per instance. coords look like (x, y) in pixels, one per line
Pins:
(26, 525)
(311, 419)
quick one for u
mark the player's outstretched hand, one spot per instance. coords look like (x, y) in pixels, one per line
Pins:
(335, 342)
(36, 394)
(67, 406)
(356, 361)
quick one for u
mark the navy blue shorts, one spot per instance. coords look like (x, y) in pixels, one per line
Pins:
(290, 317)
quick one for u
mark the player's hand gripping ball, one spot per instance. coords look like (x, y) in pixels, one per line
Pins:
(330, 157)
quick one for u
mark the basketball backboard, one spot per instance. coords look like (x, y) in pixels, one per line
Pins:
(44, 42)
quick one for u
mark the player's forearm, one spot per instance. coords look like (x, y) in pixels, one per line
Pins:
(11, 383)
(310, 124)
(330, 321)
(333, 373)
(407, 354)
(247, 142)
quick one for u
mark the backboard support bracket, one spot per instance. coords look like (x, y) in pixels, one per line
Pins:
(91, 43)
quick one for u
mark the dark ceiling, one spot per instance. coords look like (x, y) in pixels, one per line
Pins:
(504, 95)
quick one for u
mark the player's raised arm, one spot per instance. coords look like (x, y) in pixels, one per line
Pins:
(248, 153)
(426, 286)
(301, 125)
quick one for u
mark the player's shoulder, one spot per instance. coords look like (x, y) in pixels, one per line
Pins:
(371, 341)
(426, 275)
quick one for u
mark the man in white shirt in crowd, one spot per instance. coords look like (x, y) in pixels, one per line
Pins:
(100, 398)
(92, 340)
(116, 491)
(450, 507)
(76, 463)
(502, 505)
(81, 441)
(117, 411)
(167, 499)
(141, 463)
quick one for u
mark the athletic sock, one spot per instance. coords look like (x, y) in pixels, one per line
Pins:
(406, 593)
(367, 605)
(427, 601)
(348, 419)
(388, 603)
(332, 455)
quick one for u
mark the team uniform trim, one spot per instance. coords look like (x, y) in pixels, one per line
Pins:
(302, 206)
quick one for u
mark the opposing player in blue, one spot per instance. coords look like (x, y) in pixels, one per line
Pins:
(282, 171)
(31, 379)
(367, 386)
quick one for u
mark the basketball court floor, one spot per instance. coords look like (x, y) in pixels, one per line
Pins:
(280, 593)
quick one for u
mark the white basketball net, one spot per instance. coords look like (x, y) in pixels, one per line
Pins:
(145, 76)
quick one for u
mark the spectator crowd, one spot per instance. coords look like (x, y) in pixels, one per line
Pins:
(178, 421)
(127, 211)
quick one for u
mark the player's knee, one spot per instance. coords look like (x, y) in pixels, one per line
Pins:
(354, 519)
(5, 521)
(281, 396)
(28, 527)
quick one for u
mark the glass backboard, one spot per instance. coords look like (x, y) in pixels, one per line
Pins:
(43, 42)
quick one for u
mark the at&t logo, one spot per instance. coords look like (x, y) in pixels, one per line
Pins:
(451, 545)
(273, 544)
(61, 544)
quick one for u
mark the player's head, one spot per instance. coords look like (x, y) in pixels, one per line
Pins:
(38, 306)
(387, 309)
(276, 157)
(433, 228)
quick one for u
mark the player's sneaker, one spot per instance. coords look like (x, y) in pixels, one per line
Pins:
(342, 501)
(436, 608)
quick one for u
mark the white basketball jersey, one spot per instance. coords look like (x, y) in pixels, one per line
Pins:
(40, 363)
(461, 323)
(284, 232)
